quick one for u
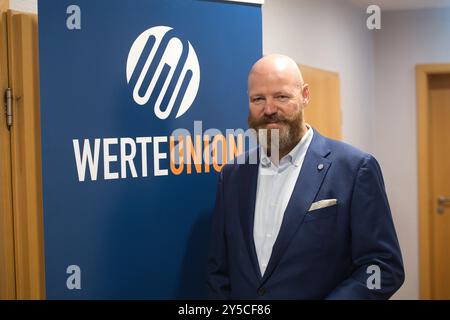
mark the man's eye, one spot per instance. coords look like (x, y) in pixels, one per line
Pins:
(257, 99)
(282, 98)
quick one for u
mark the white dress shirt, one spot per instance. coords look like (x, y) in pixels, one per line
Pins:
(274, 189)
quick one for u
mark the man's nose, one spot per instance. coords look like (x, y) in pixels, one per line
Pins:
(270, 108)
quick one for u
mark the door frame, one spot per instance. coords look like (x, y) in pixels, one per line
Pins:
(7, 254)
(423, 71)
(22, 274)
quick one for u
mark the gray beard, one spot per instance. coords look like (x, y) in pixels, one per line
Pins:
(284, 139)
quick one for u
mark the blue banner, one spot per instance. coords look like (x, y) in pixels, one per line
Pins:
(126, 213)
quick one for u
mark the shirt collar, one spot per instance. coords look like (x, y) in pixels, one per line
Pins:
(296, 154)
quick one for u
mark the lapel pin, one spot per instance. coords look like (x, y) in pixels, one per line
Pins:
(320, 167)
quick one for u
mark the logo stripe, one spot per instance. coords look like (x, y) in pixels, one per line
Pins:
(170, 59)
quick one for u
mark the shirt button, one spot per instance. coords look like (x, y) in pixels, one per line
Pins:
(261, 291)
(269, 235)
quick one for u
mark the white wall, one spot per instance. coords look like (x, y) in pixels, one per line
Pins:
(406, 38)
(330, 35)
(24, 5)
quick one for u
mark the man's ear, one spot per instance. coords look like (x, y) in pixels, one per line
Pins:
(305, 94)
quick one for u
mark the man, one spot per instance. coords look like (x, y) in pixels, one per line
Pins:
(314, 223)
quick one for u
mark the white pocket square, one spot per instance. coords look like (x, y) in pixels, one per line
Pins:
(323, 204)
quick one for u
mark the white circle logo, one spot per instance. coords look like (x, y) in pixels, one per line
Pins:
(170, 58)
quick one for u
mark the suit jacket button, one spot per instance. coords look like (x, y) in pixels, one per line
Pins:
(261, 291)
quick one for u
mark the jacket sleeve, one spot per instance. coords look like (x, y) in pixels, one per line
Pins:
(377, 262)
(217, 268)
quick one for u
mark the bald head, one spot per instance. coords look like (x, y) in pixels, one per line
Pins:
(277, 66)
(277, 97)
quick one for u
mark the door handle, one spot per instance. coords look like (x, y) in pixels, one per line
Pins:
(442, 201)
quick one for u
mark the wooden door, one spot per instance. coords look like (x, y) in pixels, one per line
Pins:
(439, 110)
(21, 225)
(7, 264)
(324, 109)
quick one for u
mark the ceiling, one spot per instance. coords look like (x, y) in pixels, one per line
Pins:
(403, 4)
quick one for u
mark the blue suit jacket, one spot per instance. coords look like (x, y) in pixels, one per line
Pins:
(322, 254)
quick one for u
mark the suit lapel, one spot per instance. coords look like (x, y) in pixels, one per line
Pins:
(247, 201)
(314, 169)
